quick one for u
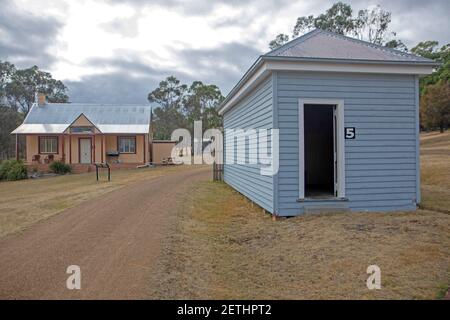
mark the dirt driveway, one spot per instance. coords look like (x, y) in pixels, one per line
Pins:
(115, 239)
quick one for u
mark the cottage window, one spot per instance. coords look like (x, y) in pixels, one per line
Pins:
(48, 145)
(127, 144)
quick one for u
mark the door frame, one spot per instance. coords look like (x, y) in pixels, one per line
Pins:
(79, 149)
(339, 103)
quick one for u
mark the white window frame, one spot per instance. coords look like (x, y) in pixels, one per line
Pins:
(47, 145)
(127, 146)
(339, 103)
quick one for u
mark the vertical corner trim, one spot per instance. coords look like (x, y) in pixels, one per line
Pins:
(417, 127)
(275, 126)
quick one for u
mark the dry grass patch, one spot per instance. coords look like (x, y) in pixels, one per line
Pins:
(435, 143)
(435, 171)
(224, 248)
(23, 203)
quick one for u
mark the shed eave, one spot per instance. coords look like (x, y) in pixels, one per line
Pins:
(266, 64)
(352, 61)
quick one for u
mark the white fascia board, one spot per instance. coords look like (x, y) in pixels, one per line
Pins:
(252, 82)
(349, 67)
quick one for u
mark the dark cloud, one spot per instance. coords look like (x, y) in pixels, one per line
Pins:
(117, 87)
(130, 82)
(25, 38)
(222, 66)
(133, 79)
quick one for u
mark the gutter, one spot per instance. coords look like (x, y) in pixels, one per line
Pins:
(350, 61)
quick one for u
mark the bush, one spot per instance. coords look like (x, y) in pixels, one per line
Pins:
(60, 167)
(13, 170)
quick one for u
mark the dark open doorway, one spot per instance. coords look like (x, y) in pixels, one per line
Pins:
(319, 151)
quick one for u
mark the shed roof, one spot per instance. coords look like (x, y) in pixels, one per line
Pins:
(57, 117)
(320, 44)
(321, 50)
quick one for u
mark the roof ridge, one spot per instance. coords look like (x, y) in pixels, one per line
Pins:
(374, 45)
(306, 36)
(293, 42)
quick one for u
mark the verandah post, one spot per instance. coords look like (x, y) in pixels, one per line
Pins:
(17, 147)
(63, 147)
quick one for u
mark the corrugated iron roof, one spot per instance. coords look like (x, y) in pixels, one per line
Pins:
(57, 117)
(320, 44)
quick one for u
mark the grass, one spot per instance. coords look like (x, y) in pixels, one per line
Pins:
(223, 247)
(23, 203)
(435, 159)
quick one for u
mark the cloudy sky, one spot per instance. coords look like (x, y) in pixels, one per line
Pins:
(112, 51)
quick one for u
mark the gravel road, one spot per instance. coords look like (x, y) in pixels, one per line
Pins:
(115, 239)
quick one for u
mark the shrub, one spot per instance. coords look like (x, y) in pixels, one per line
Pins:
(12, 170)
(60, 167)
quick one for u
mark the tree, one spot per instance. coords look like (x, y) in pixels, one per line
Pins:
(179, 106)
(429, 49)
(168, 116)
(435, 106)
(17, 94)
(278, 41)
(201, 103)
(370, 24)
(337, 19)
(21, 89)
(9, 120)
(396, 44)
(426, 49)
(6, 71)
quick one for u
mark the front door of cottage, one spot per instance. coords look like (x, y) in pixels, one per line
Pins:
(85, 150)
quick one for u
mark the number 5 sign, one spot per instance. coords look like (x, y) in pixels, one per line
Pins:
(350, 133)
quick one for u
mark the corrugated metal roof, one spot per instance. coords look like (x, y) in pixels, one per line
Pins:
(56, 117)
(40, 128)
(320, 44)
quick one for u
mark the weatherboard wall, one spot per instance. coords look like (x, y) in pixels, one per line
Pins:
(253, 112)
(381, 164)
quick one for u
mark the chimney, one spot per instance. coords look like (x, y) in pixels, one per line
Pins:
(41, 99)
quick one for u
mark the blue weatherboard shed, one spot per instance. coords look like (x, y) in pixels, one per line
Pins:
(347, 114)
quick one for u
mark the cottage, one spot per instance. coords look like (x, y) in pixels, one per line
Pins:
(347, 115)
(83, 134)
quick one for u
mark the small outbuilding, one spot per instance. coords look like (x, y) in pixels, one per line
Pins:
(346, 114)
(162, 151)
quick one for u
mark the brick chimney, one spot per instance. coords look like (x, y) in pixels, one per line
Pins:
(41, 99)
